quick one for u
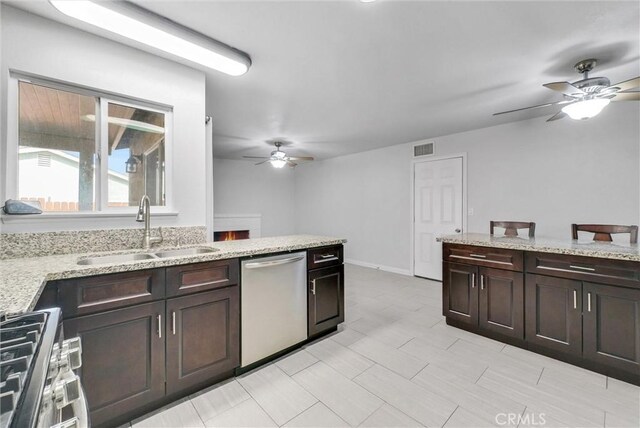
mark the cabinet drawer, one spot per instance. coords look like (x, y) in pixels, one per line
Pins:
(324, 257)
(197, 277)
(616, 272)
(100, 293)
(484, 256)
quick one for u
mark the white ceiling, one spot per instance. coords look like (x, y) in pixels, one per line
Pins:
(338, 77)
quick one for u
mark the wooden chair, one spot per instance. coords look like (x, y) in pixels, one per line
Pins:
(511, 227)
(602, 232)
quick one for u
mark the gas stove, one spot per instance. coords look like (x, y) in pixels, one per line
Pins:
(38, 387)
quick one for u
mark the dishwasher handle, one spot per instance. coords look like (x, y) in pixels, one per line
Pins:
(258, 265)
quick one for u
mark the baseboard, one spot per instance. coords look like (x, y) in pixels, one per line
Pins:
(381, 267)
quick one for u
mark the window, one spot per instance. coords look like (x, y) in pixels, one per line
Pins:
(80, 151)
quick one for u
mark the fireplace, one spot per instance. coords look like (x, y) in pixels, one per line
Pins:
(230, 235)
(230, 227)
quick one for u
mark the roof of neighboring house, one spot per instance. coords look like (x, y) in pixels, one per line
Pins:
(68, 157)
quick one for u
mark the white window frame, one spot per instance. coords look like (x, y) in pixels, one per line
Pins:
(101, 164)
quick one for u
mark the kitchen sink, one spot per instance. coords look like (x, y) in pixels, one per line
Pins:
(185, 252)
(123, 258)
(117, 258)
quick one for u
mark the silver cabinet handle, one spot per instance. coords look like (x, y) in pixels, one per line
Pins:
(575, 299)
(478, 256)
(473, 280)
(159, 326)
(313, 287)
(257, 265)
(327, 258)
(481, 282)
(173, 322)
(582, 268)
(588, 302)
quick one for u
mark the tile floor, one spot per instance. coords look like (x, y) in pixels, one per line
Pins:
(395, 363)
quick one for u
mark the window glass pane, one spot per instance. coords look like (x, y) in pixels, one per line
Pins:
(56, 148)
(136, 156)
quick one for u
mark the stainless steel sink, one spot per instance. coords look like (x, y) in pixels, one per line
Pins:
(185, 252)
(117, 258)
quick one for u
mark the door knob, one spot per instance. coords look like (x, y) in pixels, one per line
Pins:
(458, 230)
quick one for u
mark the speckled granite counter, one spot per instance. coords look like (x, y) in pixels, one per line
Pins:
(22, 279)
(604, 250)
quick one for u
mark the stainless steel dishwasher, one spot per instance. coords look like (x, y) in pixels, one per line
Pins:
(274, 305)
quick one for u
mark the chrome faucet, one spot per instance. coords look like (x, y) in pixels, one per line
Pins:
(144, 214)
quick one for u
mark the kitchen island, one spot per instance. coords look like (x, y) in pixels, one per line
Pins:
(574, 301)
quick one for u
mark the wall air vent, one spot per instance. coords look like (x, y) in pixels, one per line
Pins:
(44, 159)
(424, 149)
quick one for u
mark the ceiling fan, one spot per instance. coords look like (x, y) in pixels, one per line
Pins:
(279, 159)
(587, 97)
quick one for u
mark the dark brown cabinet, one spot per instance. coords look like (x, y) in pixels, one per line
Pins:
(580, 309)
(189, 279)
(501, 302)
(597, 324)
(141, 349)
(323, 257)
(459, 294)
(203, 338)
(486, 299)
(105, 292)
(325, 299)
(123, 359)
(611, 326)
(554, 313)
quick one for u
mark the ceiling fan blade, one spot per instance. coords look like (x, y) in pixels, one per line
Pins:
(564, 87)
(628, 84)
(557, 103)
(559, 115)
(305, 158)
(260, 163)
(255, 157)
(627, 96)
(291, 164)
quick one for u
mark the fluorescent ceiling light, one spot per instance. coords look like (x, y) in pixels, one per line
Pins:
(128, 123)
(137, 24)
(586, 109)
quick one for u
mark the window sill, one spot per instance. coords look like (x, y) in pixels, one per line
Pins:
(37, 218)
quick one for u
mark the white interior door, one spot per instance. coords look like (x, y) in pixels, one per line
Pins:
(437, 211)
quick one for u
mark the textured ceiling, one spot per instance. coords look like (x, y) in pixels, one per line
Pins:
(338, 77)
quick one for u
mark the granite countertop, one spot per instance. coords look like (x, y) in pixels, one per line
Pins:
(22, 279)
(607, 250)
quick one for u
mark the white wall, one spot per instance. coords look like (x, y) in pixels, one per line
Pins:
(554, 173)
(240, 187)
(43, 47)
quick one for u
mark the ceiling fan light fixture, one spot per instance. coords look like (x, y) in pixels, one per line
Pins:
(586, 109)
(145, 27)
(278, 163)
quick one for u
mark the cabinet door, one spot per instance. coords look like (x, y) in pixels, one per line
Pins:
(611, 317)
(97, 294)
(553, 313)
(194, 278)
(203, 337)
(460, 293)
(501, 302)
(326, 299)
(122, 359)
